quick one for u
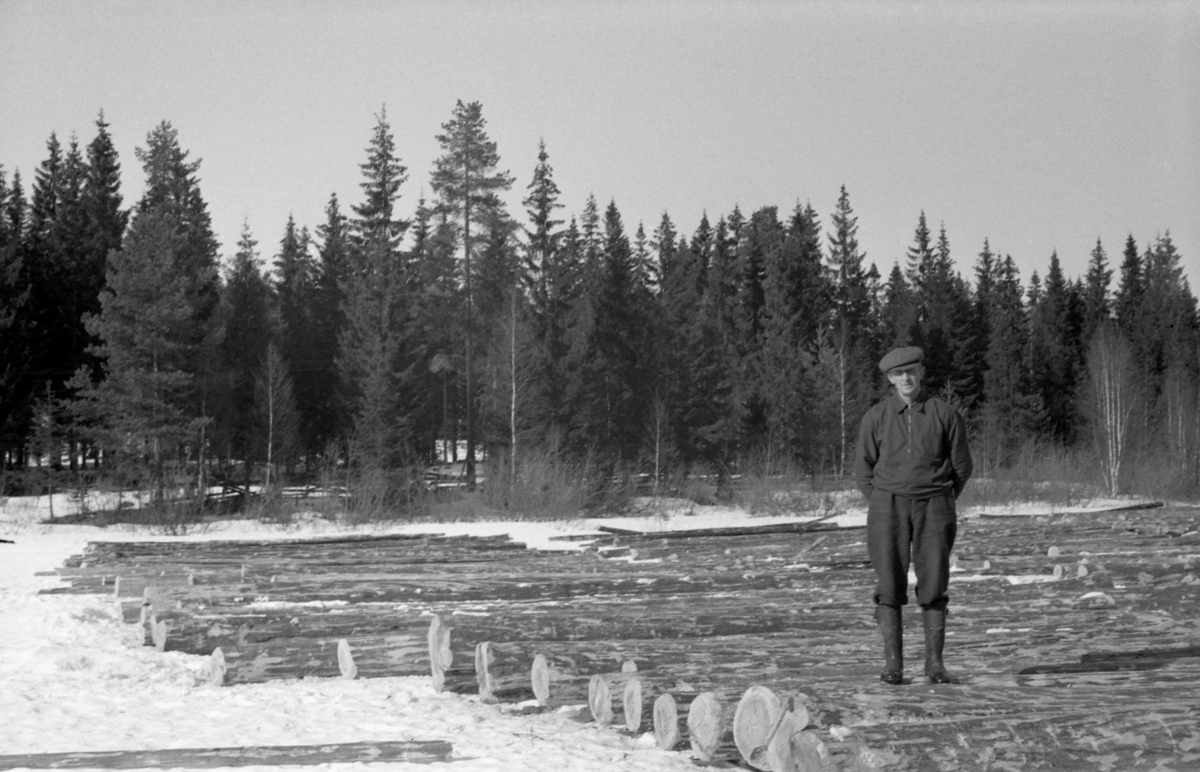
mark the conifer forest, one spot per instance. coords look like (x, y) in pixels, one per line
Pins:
(398, 334)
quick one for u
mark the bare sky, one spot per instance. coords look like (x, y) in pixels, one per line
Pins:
(1040, 126)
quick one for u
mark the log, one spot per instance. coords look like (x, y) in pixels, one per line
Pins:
(345, 659)
(706, 725)
(666, 722)
(440, 656)
(158, 633)
(755, 721)
(407, 751)
(539, 675)
(632, 704)
(483, 676)
(217, 667)
(806, 752)
(749, 530)
(600, 700)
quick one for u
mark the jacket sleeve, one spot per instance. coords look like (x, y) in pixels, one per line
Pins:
(960, 452)
(866, 454)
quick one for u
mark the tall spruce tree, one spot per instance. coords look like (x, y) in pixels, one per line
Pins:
(850, 327)
(328, 418)
(173, 189)
(15, 338)
(246, 313)
(1096, 302)
(551, 264)
(375, 343)
(1010, 412)
(468, 185)
(1055, 361)
(297, 294)
(795, 303)
(145, 407)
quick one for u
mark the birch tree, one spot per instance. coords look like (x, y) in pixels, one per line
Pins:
(1113, 399)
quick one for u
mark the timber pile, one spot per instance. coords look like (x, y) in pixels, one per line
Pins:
(1074, 635)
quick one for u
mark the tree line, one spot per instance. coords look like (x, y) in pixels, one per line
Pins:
(387, 343)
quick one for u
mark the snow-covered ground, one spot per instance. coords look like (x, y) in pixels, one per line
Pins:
(74, 677)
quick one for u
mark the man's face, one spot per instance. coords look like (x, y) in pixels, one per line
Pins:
(907, 380)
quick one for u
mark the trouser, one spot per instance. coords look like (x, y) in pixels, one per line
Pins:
(918, 532)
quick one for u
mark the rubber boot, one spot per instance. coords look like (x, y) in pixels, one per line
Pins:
(891, 627)
(935, 642)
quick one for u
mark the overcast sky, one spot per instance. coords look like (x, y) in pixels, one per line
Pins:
(1040, 126)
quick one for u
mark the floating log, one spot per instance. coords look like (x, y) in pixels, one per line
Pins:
(750, 530)
(1152, 654)
(410, 751)
(706, 725)
(666, 722)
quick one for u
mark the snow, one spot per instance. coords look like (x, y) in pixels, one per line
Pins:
(74, 677)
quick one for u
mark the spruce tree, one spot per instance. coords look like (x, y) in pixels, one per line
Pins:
(329, 421)
(1128, 300)
(15, 338)
(795, 303)
(850, 327)
(173, 189)
(468, 185)
(1055, 360)
(541, 235)
(551, 278)
(383, 174)
(375, 345)
(247, 331)
(1010, 411)
(145, 404)
(297, 294)
(1096, 302)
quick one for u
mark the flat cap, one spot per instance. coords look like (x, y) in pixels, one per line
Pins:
(901, 357)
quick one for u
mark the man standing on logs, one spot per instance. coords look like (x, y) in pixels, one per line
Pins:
(912, 462)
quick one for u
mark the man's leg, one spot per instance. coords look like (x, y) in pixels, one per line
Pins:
(888, 536)
(935, 526)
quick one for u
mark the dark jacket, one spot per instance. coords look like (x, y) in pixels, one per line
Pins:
(918, 451)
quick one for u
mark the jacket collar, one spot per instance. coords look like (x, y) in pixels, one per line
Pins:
(897, 404)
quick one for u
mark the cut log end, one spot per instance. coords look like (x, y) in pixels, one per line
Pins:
(217, 668)
(346, 660)
(632, 704)
(666, 722)
(540, 676)
(705, 725)
(158, 633)
(600, 700)
(483, 676)
(440, 656)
